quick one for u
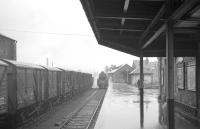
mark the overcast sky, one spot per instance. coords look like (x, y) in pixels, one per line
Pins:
(58, 30)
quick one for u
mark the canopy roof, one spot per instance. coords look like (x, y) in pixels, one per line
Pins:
(134, 25)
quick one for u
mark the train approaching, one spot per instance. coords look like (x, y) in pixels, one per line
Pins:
(27, 90)
(102, 81)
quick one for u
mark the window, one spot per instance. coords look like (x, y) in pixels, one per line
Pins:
(191, 76)
(186, 74)
(180, 77)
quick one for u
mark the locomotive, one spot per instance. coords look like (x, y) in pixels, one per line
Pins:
(27, 90)
(102, 81)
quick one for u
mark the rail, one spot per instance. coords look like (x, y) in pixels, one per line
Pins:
(82, 118)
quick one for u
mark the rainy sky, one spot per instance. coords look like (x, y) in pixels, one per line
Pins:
(57, 30)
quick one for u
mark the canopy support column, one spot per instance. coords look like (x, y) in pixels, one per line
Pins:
(160, 86)
(170, 74)
(160, 73)
(198, 82)
(141, 91)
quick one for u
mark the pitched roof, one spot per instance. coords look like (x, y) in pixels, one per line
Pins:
(2, 35)
(120, 67)
(147, 67)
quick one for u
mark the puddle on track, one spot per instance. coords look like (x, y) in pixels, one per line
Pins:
(121, 108)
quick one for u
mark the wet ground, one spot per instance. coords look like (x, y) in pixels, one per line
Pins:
(58, 113)
(121, 108)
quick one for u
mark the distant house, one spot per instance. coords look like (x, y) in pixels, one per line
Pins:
(150, 73)
(148, 77)
(7, 47)
(121, 74)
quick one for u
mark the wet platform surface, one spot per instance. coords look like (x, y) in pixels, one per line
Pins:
(121, 108)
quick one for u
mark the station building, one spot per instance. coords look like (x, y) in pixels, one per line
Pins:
(150, 73)
(168, 29)
(148, 77)
(185, 87)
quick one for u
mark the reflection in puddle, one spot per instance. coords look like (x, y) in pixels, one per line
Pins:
(121, 108)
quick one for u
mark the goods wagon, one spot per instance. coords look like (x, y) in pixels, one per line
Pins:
(82, 85)
(66, 86)
(74, 79)
(90, 80)
(3, 87)
(81, 81)
(29, 90)
(25, 88)
(53, 84)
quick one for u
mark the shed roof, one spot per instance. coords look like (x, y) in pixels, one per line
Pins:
(120, 67)
(134, 25)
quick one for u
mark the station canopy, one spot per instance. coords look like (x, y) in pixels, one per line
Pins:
(132, 26)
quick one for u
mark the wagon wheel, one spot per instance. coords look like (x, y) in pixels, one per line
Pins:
(50, 105)
(35, 113)
(21, 118)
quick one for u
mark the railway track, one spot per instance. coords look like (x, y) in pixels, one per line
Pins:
(82, 118)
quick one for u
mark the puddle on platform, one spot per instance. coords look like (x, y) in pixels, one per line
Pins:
(121, 109)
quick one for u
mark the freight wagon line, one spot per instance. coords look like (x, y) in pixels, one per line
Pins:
(27, 91)
(83, 117)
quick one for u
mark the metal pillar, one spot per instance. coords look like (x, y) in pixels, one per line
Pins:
(160, 73)
(198, 82)
(160, 87)
(170, 74)
(141, 92)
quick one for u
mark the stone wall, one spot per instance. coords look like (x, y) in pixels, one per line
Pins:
(186, 97)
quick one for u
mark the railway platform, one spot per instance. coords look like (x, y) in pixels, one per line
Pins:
(64, 115)
(121, 110)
